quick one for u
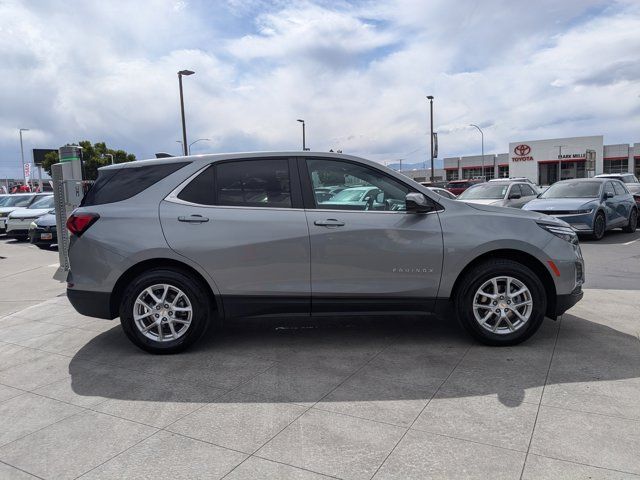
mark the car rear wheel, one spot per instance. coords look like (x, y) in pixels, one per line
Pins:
(633, 222)
(501, 302)
(164, 311)
(599, 226)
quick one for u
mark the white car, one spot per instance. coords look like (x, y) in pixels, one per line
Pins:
(501, 194)
(443, 192)
(19, 220)
(12, 202)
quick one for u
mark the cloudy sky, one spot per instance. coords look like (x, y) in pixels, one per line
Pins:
(357, 72)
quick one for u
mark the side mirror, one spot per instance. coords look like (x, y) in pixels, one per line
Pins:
(608, 195)
(418, 203)
(514, 196)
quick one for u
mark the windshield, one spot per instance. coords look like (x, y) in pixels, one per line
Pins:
(44, 202)
(572, 190)
(348, 195)
(484, 192)
(3, 200)
(17, 201)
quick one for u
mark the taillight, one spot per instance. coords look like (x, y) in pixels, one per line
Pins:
(78, 223)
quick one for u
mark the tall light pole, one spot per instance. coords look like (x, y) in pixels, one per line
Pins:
(559, 147)
(184, 126)
(304, 141)
(482, 140)
(24, 174)
(110, 155)
(198, 140)
(430, 97)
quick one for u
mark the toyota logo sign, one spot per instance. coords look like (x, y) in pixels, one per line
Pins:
(522, 150)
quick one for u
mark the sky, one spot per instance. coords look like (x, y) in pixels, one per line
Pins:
(357, 72)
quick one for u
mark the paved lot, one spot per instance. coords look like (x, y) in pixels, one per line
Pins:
(391, 399)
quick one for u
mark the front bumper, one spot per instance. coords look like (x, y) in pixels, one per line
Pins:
(565, 302)
(17, 233)
(582, 223)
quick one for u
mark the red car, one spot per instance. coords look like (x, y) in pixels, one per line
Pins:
(458, 186)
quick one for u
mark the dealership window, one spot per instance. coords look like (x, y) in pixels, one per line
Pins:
(503, 171)
(489, 172)
(452, 175)
(468, 173)
(572, 170)
(616, 166)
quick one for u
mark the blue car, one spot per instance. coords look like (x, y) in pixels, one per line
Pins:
(590, 205)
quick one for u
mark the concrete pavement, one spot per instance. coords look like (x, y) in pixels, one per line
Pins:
(397, 398)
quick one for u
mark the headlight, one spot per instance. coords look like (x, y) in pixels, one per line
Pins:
(3, 214)
(565, 233)
(582, 212)
(32, 225)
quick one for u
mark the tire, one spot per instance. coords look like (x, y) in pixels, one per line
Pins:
(197, 299)
(503, 334)
(599, 226)
(633, 222)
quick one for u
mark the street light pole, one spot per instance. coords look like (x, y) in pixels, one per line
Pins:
(482, 140)
(430, 97)
(184, 126)
(24, 174)
(304, 141)
(109, 155)
(559, 147)
(198, 140)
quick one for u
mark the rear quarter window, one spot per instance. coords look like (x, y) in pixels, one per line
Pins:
(115, 185)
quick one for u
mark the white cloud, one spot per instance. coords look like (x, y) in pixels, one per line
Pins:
(357, 73)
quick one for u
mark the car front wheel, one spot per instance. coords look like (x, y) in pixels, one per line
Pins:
(164, 311)
(501, 302)
(599, 226)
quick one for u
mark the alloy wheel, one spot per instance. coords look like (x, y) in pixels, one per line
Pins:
(502, 305)
(162, 312)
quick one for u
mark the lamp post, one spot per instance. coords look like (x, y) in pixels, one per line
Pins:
(482, 140)
(304, 142)
(184, 126)
(198, 140)
(559, 147)
(430, 97)
(24, 174)
(108, 155)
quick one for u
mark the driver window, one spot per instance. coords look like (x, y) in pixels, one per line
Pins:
(608, 188)
(339, 185)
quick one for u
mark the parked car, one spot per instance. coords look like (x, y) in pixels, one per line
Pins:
(458, 186)
(19, 220)
(443, 192)
(535, 187)
(13, 202)
(501, 194)
(630, 181)
(589, 205)
(164, 246)
(43, 231)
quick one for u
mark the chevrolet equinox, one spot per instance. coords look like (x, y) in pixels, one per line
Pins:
(173, 245)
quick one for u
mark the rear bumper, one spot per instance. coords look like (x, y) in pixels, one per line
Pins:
(91, 304)
(565, 302)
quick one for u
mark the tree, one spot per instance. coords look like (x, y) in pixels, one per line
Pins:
(92, 157)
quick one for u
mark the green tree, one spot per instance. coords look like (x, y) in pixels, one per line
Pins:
(93, 157)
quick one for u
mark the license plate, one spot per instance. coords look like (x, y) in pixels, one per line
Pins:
(46, 236)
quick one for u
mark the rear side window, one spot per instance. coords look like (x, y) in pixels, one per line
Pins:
(200, 189)
(253, 183)
(619, 187)
(115, 185)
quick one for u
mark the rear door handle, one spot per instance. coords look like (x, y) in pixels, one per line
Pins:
(329, 222)
(193, 219)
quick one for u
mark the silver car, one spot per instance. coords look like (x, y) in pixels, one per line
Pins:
(174, 245)
(505, 193)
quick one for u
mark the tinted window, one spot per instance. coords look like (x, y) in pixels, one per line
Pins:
(43, 202)
(527, 191)
(619, 188)
(484, 191)
(354, 187)
(18, 201)
(115, 185)
(608, 188)
(200, 190)
(253, 183)
(572, 190)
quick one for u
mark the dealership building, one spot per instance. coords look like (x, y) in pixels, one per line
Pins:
(547, 161)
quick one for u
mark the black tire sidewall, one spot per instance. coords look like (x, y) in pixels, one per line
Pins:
(604, 228)
(632, 225)
(486, 271)
(192, 289)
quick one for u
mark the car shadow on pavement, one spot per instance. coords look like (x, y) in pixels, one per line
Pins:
(612, 237)
(360, 361)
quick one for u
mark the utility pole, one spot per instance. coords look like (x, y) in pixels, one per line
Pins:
(482, 141)
(430, 97)
(184, 126)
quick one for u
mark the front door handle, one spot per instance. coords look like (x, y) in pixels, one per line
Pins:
(193, 219)
(329, 222)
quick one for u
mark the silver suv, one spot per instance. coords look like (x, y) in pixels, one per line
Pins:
(174, 245)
